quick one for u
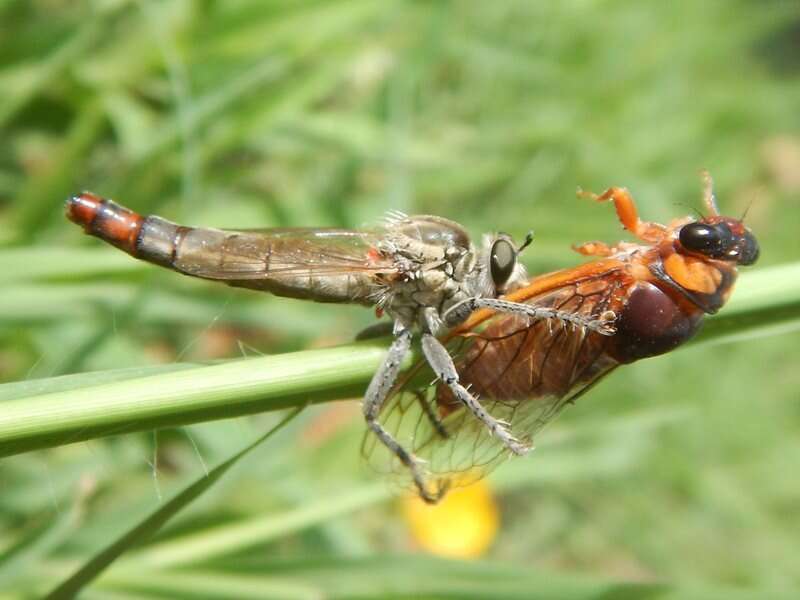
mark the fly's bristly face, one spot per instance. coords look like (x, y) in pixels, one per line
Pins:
(501, 270)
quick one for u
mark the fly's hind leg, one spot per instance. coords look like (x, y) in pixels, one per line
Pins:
(376, 394)
(433, 418)
(441, 363)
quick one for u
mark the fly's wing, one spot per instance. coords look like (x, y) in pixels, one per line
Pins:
(523, 372)
(329, 265)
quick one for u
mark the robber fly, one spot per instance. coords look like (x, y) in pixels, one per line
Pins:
(422, 271)
(525, 371)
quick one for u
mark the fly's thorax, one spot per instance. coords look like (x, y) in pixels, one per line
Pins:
(433, 285)
(429, 230)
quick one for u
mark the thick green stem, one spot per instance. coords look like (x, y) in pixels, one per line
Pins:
(766, 301)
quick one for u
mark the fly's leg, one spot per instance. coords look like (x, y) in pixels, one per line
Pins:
(376, 330)
(442, 364)
(434, 420)
(456, 314)
(627, 213)
(376, 394)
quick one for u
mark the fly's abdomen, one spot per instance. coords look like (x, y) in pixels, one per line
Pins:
(324, 265)
(149, 238)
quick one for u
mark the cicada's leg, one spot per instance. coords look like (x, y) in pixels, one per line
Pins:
(628, 215)
(603, 325)
(594, 249)
(709, 199)
(376, 394)
(442, 364)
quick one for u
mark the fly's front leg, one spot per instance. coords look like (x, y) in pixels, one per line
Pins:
(603, 325)
(441, 363)
(376, 394)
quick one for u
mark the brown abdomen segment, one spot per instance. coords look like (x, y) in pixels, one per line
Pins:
(652, 322)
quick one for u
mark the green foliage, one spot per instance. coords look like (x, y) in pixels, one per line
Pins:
(676, 470)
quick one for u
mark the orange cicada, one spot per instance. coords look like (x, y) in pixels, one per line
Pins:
(525, 371)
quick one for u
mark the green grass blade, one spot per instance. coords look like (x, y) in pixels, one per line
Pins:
(241, 535)
(187, 396)
(17, 562)
(405, 577)
(765, 302)
(153, 522)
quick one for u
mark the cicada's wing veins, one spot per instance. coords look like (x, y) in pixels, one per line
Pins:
(523, 372)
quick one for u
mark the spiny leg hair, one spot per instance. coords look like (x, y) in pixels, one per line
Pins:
(441, 363)
(458, 313)
(376, 394)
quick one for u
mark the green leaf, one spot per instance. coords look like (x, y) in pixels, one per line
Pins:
(153, 522)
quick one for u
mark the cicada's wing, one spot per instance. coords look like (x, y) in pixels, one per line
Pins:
(522, 372)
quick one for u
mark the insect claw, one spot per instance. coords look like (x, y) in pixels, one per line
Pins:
(518, 448)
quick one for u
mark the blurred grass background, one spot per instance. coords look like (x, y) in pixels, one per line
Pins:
(678, 469)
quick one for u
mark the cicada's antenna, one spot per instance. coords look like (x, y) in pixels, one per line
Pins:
(709, 198)
(526, 242)
(746, 210)
(692, 209)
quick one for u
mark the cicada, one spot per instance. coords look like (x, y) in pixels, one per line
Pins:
(523, 371)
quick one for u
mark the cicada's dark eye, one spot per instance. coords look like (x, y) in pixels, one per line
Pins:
(749, 251)
(714, 241)
(502, 260)
(699, 237)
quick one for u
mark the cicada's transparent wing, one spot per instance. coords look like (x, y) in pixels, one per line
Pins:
(523, 372)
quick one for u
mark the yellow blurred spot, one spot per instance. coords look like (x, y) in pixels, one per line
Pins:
(463, 525)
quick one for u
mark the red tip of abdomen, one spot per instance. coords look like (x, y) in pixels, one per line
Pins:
(105, 219)
(83, 208)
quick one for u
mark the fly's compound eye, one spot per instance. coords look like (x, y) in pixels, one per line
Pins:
(502, 260)
(714, 241)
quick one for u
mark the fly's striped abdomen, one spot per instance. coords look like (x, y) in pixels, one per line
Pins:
(149, 238)
(326, 265)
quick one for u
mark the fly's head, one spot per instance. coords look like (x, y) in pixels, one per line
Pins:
(500, 270)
